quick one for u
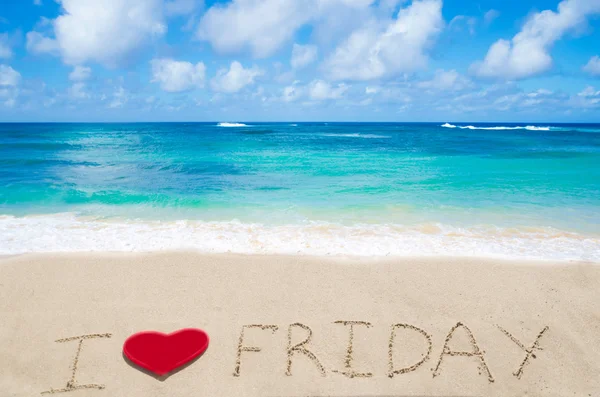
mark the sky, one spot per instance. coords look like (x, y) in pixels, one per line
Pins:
(300, 60)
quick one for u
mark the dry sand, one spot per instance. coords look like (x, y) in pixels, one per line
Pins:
(45, 298)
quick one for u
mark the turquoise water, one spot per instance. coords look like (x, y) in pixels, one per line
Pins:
(373, 188)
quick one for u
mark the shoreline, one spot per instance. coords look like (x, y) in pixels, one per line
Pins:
(336, 258)
(45, 298)
(70, 233)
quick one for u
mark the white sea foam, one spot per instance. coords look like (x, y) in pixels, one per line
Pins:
(499, 128)
(69, 233)
(366, 136)
(232, 125)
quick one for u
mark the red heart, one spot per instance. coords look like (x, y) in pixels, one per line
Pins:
(162, 353)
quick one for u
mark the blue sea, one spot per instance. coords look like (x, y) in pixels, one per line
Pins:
(353, 189)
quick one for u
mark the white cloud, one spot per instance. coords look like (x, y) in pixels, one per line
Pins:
(588, 98)
(316, 90)
(527, 54)
(177, 76)
(80, 73)
(37, 43)
(490, 16)
(458, 21)
(292, 92)
(77, 91)
(379, 50)
(589, 92)
(319, 90)
(5, 47)
(37, 2)
(9, 82)
(234, 79)
(593, 66)
(8, 76)
(444, 80)
(303, 55)
(102, 31)
(285, 77)
(8, 97)
(263, 26)
(120, 98)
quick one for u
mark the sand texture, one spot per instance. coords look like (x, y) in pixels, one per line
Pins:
(300, 326)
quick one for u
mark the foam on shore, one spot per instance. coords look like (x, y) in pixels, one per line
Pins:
(69, 233)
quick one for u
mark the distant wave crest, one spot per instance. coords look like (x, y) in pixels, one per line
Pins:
(366, 136)
(471, 127)
(232, 125)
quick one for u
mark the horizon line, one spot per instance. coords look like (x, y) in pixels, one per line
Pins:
(298, 122)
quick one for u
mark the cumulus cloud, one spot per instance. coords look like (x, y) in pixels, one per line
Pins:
(234, 79)
(589, 92)
(119, 98)
(449, 80)
(528, 53)
(77, 91)
(9, 82)
(319, 90)
(292, 92)
(106, 32)
(8, 96)
(9, 77)
(80, 73)
(316, 90)
(177, 76)
(380, 50)
(263, 26)
(303, 55)
(593, 66)
(37, 43)
(5, 47)
(589, 98)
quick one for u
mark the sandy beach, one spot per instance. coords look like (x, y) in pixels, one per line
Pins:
(378, 328)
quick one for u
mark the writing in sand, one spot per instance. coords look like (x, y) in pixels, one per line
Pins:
(297, 337)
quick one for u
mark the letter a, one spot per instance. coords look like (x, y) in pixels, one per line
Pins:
(475, 353)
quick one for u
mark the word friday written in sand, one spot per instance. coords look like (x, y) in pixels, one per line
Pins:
(299, 338)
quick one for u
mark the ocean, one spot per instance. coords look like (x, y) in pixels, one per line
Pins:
(355, 189)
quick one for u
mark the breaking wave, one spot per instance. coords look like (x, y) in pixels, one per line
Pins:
(499, 128)
(232, 125)
(366, 136)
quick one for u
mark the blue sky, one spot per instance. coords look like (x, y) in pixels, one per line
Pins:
(301, 60)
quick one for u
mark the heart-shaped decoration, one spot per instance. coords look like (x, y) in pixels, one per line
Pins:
(162, 353)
